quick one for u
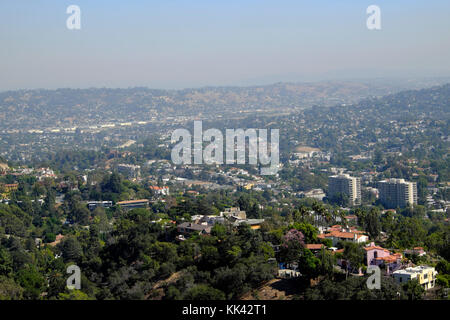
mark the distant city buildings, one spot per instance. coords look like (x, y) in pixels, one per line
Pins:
(318, 194)
(234, 212)
(163, 191)
(129, 171)
(397, 193)
(202, 224)
(187, 228)
(43, 173)
(304, 155)
(345, 184)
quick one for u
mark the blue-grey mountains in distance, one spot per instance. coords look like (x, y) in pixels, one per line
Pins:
(40, 108)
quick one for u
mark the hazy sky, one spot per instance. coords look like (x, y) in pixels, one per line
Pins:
(174, 43)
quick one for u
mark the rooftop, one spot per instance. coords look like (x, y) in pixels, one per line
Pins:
(414, 270)
(132, 201)
(314, 246)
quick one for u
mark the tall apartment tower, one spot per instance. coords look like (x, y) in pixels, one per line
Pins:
(397, 193)
(344, 183)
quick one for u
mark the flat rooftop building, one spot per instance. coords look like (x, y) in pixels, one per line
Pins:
(131, 204)
(426, 276)
(95, 204)
(397, 193)
(345, 184)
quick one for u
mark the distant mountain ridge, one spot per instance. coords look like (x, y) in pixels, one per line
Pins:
(74, 107)
(431, 103)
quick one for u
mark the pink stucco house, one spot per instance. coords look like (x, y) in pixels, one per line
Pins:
(377, 256)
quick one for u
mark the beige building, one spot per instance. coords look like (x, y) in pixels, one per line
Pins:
(344, 183)
(399, 193)
(426, 276)
(234, 212)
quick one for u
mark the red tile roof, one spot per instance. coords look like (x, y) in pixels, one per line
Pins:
(314, 246)
(391, 258)
(339, 234)
(376, 248)
(158, 188)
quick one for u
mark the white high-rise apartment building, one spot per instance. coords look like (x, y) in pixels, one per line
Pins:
(397, 193)
(344, 183)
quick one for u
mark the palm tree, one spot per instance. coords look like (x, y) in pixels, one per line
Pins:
(322, 211)
(303, 211)
(342, 216)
